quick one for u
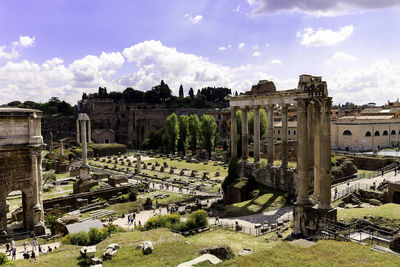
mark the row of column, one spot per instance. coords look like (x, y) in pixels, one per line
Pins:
(257, 137)
(79, 128)
(314, 151)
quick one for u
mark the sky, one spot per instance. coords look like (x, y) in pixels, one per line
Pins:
(66, 47)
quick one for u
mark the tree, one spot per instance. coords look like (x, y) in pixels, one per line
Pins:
(194, 130)
(181, 91)
(263, 122)
(183, 132)
(191, 93)
(172, 131)
(208, 129)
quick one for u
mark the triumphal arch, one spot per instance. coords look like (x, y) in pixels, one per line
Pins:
(313, 171)
(21, 145)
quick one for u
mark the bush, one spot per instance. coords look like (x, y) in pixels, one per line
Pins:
(132, 195)
(79, 238)
(95, 236)
(51, 222)
(108, 149)
(3, 258)
(233, 172)
(196, 220)
(123, 198)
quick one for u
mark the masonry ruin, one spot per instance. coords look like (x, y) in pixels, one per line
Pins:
(313, 172)
(21, 145)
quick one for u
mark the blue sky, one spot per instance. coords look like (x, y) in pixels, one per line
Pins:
(66, 47)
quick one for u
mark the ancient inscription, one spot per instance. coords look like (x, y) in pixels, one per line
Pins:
(13, 127)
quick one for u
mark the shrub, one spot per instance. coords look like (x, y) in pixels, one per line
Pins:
(3, 258)
(132, 195)
(95, 236)
(155, 222)
(123, 198)
(51, 222)
(197, 219)
(233, 172)
(79, 238)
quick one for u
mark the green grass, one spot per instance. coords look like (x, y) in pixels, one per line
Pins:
(172, 249)
(172, 198)
(364, 171)
(266, 199)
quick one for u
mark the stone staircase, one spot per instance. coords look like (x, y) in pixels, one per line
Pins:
(99, 214)
(355, 199)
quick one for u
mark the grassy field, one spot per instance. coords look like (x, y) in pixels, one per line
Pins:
(266, 199)
(172, 249)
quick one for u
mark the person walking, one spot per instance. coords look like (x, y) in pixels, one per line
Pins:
(34, 244)
(14, 253)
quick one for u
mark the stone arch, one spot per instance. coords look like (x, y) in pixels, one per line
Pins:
(368, 134)
(393, 132)
(385, 132)
(377, 133)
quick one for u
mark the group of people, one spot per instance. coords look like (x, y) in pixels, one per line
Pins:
(11, 249)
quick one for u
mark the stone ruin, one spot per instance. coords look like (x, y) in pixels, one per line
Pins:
(21, 146)
(313, 146)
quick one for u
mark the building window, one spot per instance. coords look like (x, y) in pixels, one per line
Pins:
(347, 132)
(377, 133)
(288, 131)
(219, 116)
(393, 132)
(294, 132)
(368, 133)
(385, 132)
(279, 131)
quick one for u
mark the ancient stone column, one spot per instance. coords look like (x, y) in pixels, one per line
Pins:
(84, 144)
(257, 134)
(244, 133)
(89, 132)
(233, 133)
(317, 150)
(284, 136)
(270, 135)
(302, 153)
(35, 178)
(139, 163)
(51, 143)
(77, 132)
(325, 148)
(61, 147)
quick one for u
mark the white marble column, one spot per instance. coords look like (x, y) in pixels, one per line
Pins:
(89, 131)
(270, 135)
(84, 144)
(78, 136)
(325, 148)
(284, 136)
(256, 134)
(317, 151)
(35, 179)
(233, 133)
(302, 153)
(245, 128)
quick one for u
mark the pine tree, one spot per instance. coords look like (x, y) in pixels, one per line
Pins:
(181, 91)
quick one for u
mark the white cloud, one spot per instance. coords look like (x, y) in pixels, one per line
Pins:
(8, 55)
(319, 7)
(237, 9)
(267, 45)
(324, 37)
(341, 56)
(276, 61)
(255, 47)
(241, 45)
(25, 41)
(376, 83)
(222, 48)
(256, 54)
(196, 19)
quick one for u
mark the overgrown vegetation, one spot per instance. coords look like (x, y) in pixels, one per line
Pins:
(195, 220)
(51, 222)
(3, 258)
(93, 237)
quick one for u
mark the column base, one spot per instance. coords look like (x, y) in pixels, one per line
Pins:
(306, 219)
(39, 229)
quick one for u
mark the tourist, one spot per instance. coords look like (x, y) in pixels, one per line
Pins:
(129, 219)
(336, 192)
(49, 249)
(140, 223)
(217, 219)
(159, 209)
(34, 244)
(40, 249)
(14, 253)
(12, 244)
(134, 216)
(237, 226)
(33, 255)
(7, 248)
